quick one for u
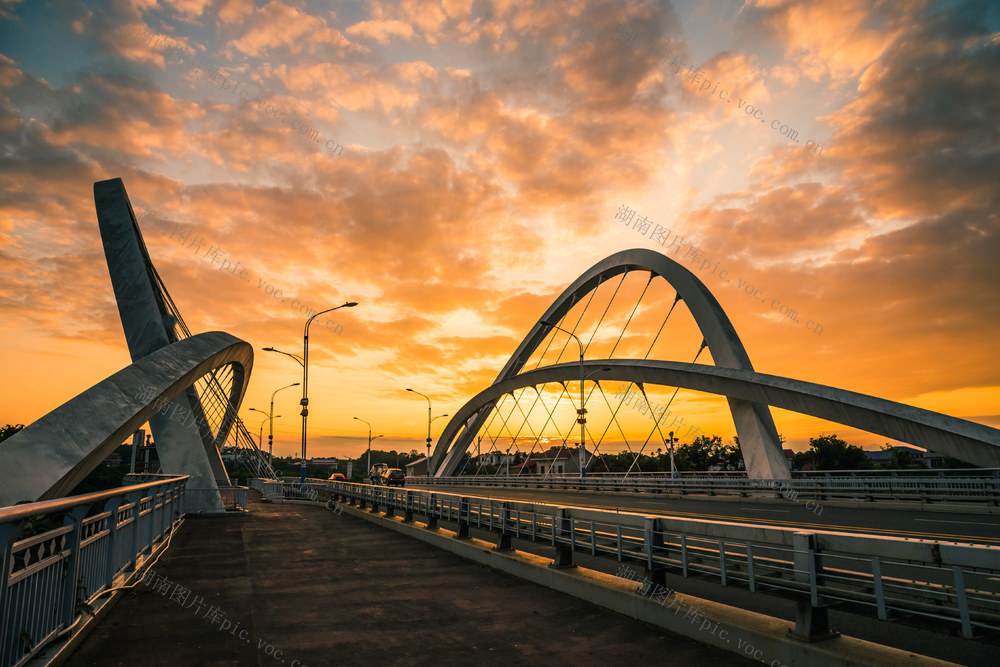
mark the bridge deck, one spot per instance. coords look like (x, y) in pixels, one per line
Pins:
(326, 589)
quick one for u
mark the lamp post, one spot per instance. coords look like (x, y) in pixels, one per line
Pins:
(434, 420)
(673, 469)
(428, 430)
(582, 412)
(270, 427)
(305, 378)
(370, 438)
(260, 436)
(583, 449)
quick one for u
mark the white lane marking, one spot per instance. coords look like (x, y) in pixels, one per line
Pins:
(971, 523)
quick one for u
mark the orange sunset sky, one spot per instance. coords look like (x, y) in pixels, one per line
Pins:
(462, 162)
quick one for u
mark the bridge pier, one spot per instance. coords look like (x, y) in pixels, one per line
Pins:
(562, 524)
(432, 513)
(504, 542)
(658, 576)
(464, 513)
(408, 513)
(812, 616)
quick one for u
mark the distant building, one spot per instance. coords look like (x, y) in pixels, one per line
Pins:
(417, 469)
(333, 463)
(492, 459)
(557, 461)
(928, 459)
(789, 457)
(114, 460)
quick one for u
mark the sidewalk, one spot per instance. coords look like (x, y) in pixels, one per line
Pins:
(299, 585)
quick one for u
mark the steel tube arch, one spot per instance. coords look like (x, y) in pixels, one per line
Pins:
(959, 438)
(759, 442)
(52, 455)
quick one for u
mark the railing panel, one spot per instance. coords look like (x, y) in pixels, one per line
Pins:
(51, 572)
(885, 574)
(973, 486)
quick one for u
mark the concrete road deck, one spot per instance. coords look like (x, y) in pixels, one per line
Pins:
(299, 585)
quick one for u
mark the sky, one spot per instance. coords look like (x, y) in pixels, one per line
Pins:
(453, 166)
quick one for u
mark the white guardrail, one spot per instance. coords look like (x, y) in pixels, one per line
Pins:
(58, 556)
(927, 489)
(892, 578)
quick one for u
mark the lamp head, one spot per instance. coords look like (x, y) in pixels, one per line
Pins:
(269, 349)
(350, 304)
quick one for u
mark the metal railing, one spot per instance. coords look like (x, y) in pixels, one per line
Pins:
(939, 489)
(271, 489)
(233, 498)
(58, 556)
(889, 577)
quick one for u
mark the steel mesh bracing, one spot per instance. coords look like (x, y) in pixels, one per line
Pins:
(529, 421)
(210, 394)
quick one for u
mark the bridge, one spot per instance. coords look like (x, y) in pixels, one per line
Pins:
(614, 542)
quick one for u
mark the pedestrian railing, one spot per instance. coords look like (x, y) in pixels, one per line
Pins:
(226, 498)
(271, 489)
(984, 489)
(58, 556)
(891, 578)
(234, 498)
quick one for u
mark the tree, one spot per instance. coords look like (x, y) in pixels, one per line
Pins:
(9, 430)
(707, 452)
(901, 458)
(828, 452)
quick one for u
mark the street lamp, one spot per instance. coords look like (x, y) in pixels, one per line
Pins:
(287, 354)
(582, 412)
(673, 469)
(370, 438)
(583, 451)
(260, 436)
(270, 427)
(304, 361)
(428, 430)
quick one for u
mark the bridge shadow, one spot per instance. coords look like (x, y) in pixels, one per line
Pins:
(290, 584)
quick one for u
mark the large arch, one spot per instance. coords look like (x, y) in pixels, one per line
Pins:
(748, 393)
(759, 442)
(959, 438)
(151, 322)
(53, 454)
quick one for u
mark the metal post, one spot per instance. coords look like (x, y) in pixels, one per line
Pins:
(305, 398)
(71, 565)
(673, 468)
(270, 427)
(305, 381)
(812, 619)
(582, 419)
